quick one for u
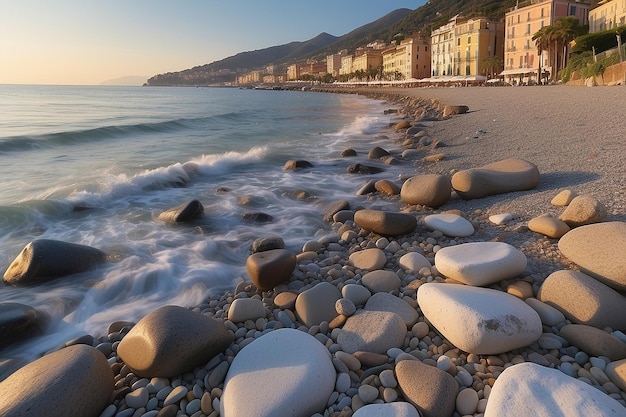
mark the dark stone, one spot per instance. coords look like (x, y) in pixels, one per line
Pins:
(377, 153)
(222, 190)
(385, 223)
(294, 164)
(257, 217)
(334, 208)
(348, 152)
(183, 213)
(363, 169)
(267, 243)
(44, 259)
(270, 268)
(19, 322)
(368, 188)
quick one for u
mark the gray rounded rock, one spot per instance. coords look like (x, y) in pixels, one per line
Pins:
(172, 340)
(430, 190)
(183, 213)
(384, 222)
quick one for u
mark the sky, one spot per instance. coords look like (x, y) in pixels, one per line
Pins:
(87, 42)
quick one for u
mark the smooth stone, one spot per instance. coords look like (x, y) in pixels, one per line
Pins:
(270, 268)
(528, 389)
(381, 281)
(285, 372)
(449, 224)
(480, 263)
(520, 289)
(593, 341)
(395, 409)
(431, 190)
(548, 226)
(184, 213)
(295, 164)
(414, 261)
(404, 124)
(377, 153)
(263, 244)
(489, 322)
(367, 188)
(500, 219)
(357, 293)
(285, 300)
(363, 169)
(345, 306)
(563, 198)
(467, 401)
(317, 304)
(44, 259)
(243, 309)
(432, 391)
(435, 157)
(75, 381)
(19, 322)
(348, 152)
(584, 300)
(387, 187)
(343, 216)
(450, 110)
(368, 259)
(358, 333)
(383, 301)
(257, 217)
(384, 222)
(599, 250)
(172, 340)
(616, 371)
(548, 314)
(499, 177)
(137, 398)
(334, 208)
(583, 210)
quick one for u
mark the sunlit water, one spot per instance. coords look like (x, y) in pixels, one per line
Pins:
(123, 155)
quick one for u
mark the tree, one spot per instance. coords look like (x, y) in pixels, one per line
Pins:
(492, 65)
(542, 41)
(555, 39)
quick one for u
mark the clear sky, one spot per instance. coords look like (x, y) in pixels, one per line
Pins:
(91, 41)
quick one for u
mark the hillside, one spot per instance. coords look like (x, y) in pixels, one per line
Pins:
(431, 15)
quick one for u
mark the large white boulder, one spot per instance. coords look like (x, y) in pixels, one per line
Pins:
(479, 320)
(286, 372)
(528, 389)
(449, 224)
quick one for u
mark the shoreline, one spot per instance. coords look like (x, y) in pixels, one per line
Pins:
(601, 176)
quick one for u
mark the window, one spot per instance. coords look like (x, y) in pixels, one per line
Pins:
(572, 10)
(469, 39)
(542, 12)
(426, 49)
(528, 29)
(458, 42)
(528, 16)
(519, 18)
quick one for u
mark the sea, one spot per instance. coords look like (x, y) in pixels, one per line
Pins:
(96, 165)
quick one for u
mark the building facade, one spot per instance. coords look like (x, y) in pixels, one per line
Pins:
(442, 42)
(609, 14)
(479, 48)
(368, 61)
(521, 56)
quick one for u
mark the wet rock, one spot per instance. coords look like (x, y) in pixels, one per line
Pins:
(384, 222)
(377, 153)
(430, 190)
(368, 188)
(387, 187)
(257, 217)
(404, 124)
(172, 340)
(348, 153)
(43, 260)
(269, 268)
(19, 322)
(499, 177)
(75, 381)
(295, 164)
(184, 213)
(363, 169)
(263, 244)
(334, 208)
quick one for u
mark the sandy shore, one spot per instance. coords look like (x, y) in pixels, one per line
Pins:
(575, 135)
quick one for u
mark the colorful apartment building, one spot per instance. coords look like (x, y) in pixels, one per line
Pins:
(369, 60)
(467, 48)
(521, 56)
(408, 60)
(333, 63)
(609, 14)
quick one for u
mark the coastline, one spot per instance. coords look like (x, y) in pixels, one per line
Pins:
(569, 155)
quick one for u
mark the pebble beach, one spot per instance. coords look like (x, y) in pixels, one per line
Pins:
(495, 286)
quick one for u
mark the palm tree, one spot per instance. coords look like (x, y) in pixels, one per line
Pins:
(555, 39)
(567, 29)
(542, 41)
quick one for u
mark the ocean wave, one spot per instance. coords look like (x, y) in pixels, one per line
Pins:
(104, 133)
(176, 175)
(363, 125)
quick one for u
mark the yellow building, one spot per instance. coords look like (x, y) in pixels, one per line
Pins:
(368, 60)
(293, 72)
(521, 57)
(410, 59)
(346, 65)
(442, 49)
(479, 47)
(333, 63)
(608, 15)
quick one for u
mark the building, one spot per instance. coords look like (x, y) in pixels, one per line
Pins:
(333, 63)
(346, 65)
(313, 69)
(521, 56)
(479, 48)
(468, 49)
(368, 61)
(410, 59)
(609, 14)
(293, 72)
